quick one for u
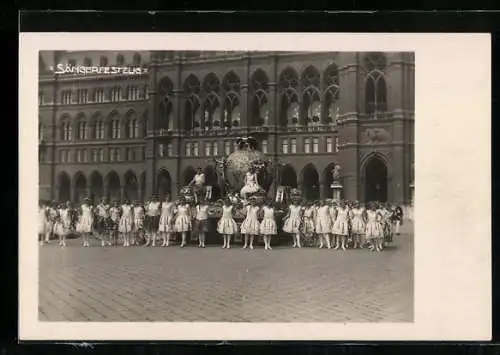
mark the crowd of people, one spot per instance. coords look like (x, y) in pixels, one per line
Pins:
(332, 224)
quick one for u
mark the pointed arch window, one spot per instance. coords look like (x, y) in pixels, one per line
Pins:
(66, 131)
(99, 130)
(375, 64)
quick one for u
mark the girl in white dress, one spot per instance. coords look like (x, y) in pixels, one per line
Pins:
(340, 228)
(358, 224)
(250, 226)
(114, 216)
(63, 224)
(139, 215)
(227, 225)
(166, 224)
(51, 220)
(268, 226)
(42, 221)
(126, 222)
(291, 223)
(103, 222)
(183, 221)
(85, 222)
(308, 218)
(374, 233)
(201, 222)
(152, 220)
(323, 224)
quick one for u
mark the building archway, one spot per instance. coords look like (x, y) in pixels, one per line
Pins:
(288, 177)
(96, 186)
(113, 183)
(164, 184)
(310, 183)
(80, 188)
(376, 180)
(131, 186)
(189, 174)
(64, 187)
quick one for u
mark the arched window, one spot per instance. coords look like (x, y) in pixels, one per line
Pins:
(116, 93)
(165, 91)
(66, 97)
(231, 113)
(115, 128)
(311, 100)
(375, 85)
(98, 95)
(82, 130)
(131, 128)
(211, 113)
(288, 84)
(133, 93)
(87, 62)
(192, 112)
(66, 130)
(137, 59)
(82, 96)
(40, 98)
(331, 95)
(103, 61)
(260, 109)
(120, 59)
(99, 129)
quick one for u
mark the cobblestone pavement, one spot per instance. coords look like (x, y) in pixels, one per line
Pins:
(214, 284)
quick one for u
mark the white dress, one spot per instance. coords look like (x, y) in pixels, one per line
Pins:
(268, 224)
(251, 184)
(42, 220)
(182, 221)
(323, 220)
(341, 224)
(251, 223)
(308, 225)
(127, 220)
(86, 220)
(63, 224)
(167, 217)
(357, 222)
(138, 218)
(227, 224)
(292, 222)
(373, 227)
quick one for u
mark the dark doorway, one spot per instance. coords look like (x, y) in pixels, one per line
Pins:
(288, 177)
(64, 187)
(96, 187)
(376, 181)
(113, 183)
(164, 184)
(310, 183)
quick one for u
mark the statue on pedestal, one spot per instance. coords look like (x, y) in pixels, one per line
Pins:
(337, 175)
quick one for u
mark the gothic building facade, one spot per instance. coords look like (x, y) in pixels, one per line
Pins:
(130, 135)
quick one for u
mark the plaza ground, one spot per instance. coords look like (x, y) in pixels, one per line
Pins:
(217, 285)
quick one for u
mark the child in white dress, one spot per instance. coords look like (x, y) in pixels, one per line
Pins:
(291, 223)
(85, 222)
(183, 221)
(227, 225)
(340, 228)
(308, 226)
(166, 224)
(152, 220)
(126, 222)
(358, 224)
(250, 226)
(323, 224)
(63, 224)
(374, 233)
(139, 215)
(114, 216)
(201, 222)
(268, 226)
(102, 225)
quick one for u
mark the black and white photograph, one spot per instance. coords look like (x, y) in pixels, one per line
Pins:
(227, 186)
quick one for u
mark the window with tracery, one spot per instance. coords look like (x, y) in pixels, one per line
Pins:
(82, 96)
(99, 129)
(375, 85)
(289, 82)
(260, 108)
(331, 95)
(165, 91)
(82, 130)
(98, 95)
(120, 59)
(116, 93)
(115, 129)
(66, 131)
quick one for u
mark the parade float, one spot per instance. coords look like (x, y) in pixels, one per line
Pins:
(243, 176)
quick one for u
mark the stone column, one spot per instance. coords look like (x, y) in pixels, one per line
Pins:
(323, 192)
(151, 154)
(122, 193)
(348, 155)
(244, 114)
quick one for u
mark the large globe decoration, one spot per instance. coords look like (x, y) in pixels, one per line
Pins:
(237, 165)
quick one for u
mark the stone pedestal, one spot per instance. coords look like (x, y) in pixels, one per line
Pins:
(337, 190)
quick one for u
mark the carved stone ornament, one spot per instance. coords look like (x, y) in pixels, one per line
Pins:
(376, 135)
